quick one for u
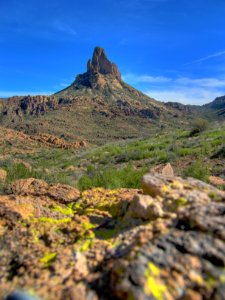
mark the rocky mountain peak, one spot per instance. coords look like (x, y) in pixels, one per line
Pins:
(101, 64)
(101, 74)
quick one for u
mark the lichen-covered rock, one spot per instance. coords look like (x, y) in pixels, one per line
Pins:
(168, 243)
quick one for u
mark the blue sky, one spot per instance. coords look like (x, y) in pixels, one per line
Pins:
(173, 50)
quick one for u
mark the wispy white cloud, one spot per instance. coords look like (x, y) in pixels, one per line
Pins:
(64, 28)
(195, 96)
(216, 54)
(132, 78)
(178, 89)
(201, 82)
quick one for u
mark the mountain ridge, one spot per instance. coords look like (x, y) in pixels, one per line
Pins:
(98, 107)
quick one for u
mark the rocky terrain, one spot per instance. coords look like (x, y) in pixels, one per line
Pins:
(19, 140)
(164, 241)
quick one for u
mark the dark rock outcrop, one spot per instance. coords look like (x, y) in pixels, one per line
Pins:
(218, 103)
(101, 64)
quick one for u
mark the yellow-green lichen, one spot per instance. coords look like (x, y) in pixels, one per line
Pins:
(181, 202)
(86, 245)
(87, 225)
(35, 235)
(48, 259)
(215, 196)
(86, 240)
(102, 200)
(153, 285)
(64, 211)
(51, 220)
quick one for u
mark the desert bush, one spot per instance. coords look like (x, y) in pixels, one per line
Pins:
(220, 153)
(198, 170)
(199, 125)
(127, 177)
(19, 171)
(186, 151)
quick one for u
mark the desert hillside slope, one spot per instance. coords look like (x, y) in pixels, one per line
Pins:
(98, 107)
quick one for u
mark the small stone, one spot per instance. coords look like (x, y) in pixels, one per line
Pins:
(163, 169)
(168, 170)
(144, 207)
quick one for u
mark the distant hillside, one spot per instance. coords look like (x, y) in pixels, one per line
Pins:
(98, 106)
(217, 105)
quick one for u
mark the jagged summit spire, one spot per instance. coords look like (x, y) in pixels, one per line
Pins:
(101, 73)
(101, 64)
(102, 77)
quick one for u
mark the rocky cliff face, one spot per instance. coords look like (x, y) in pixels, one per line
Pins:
(14, 109)
(101, 64)
(101, 73)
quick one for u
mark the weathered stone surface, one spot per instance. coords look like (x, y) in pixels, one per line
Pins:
(101, 64)
(144, 207)
(114, 244)
(163, 169)
(37, 187)
(100, 73)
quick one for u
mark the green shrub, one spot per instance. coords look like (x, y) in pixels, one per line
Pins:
(127, 177)
(220, 153)
(199, 125)
(19, 171)
(198, 170)
(186, 151)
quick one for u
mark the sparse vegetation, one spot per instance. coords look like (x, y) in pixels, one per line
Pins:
(20, 171)
(127, 177)
(121, 164)
(199, 170)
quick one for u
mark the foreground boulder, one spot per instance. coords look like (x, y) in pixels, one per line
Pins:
(166, 241)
